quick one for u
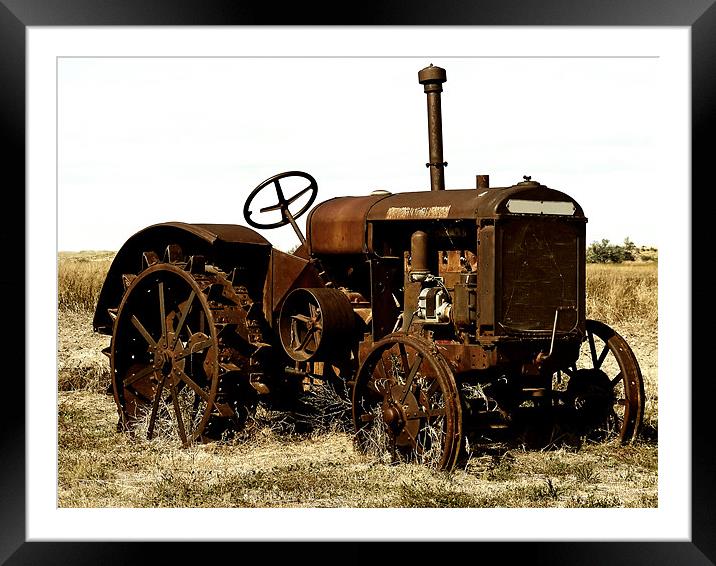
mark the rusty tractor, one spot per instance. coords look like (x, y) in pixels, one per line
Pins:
(450, 317)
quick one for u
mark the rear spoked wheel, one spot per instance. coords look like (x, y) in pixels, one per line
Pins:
(406, 404)
(164, 355)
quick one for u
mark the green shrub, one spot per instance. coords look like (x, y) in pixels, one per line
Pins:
(606, 252)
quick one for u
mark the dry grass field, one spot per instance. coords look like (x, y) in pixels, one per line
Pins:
(272, 465)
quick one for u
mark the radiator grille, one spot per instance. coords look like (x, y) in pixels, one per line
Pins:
(540, 262)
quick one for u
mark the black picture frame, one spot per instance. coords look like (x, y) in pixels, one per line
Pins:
(17, 15)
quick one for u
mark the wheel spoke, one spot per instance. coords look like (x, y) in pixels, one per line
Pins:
(433, 387)
(426, 414)
(195, 407)
(592, 348)
(616, 380)
(143, 331)
(191, 383)
(183, 316)
(279, 192)
(139, 375)
(404, 358)
(177, 413)
(411, 375)
(155, 407)
(301, 317)
(197, 343)
(298, 195)
(304, 342)
(162, 310)
(386, 374)
(281, 200)
(602, 356)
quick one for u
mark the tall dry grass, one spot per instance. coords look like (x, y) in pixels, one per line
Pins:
(79, 278)
(626, 292)
(80, 362)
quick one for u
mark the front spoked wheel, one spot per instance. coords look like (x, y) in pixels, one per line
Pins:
(605, 390)
(406, 404)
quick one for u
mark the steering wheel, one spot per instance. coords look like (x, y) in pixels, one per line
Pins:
(283, 203)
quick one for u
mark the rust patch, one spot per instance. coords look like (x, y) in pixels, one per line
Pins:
(411, 212)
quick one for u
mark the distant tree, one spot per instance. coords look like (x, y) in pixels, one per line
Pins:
(630, 251)
(606, 252)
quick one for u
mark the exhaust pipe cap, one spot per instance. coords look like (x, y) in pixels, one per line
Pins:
(432, 78)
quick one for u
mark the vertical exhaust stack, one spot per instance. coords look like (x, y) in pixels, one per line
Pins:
(432, 79)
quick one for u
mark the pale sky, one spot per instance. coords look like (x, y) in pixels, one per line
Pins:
(148, 140)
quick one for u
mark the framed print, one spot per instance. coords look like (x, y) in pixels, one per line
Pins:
(128, 127)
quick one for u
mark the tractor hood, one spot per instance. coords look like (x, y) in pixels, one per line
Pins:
(342, 225)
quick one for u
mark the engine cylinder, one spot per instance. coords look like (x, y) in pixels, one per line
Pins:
(418, 256)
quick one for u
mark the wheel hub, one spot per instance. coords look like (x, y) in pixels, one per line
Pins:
(590, 393)
(391, 415)
(165, 356)
(397, 414)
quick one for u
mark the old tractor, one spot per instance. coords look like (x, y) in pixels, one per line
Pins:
(449, 316)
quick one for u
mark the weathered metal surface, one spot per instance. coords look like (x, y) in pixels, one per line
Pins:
(463, 203)
(317, 325)
(465, 301)
(464, 358)
(286, 272)
(338, 226)
(385, 276)
(221, 243)
(432, 79)
(418, 255)
(344, 225)
(438, 205)
(539, 272)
